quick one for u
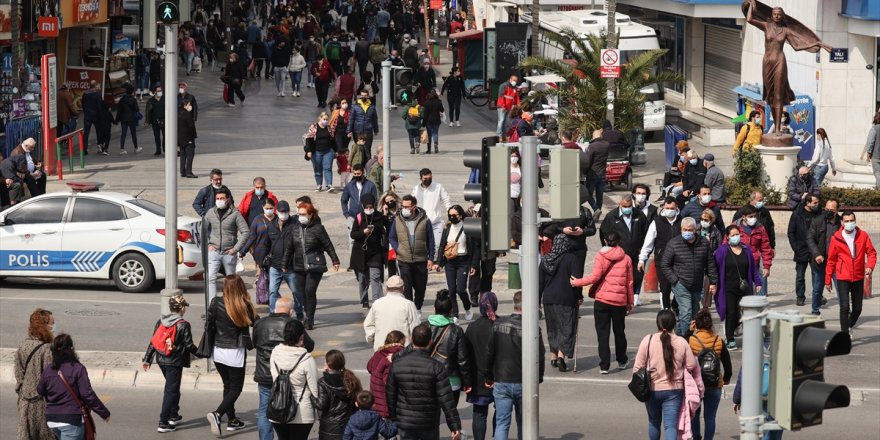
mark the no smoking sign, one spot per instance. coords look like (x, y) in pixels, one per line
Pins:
(610, 64)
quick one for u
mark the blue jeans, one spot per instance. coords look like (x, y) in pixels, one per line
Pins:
(295, 79)
(664, 406)
(595, 190)
(322, 163)
(818, 285)
(70, 432)
(143, 81)
(800, 281)
(502, 118)
(276, 276)
(126, 126)
(189, 61)
(433, 134)
(215, 260)
(711, 400)
(819, 172)
(688, 304)
(264, 427)
(508, 396)
(279, 78)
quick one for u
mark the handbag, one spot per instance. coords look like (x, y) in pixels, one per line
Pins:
(262, 286)
(206, 344)
(743, 284)
(88, 421)
(595, 287)
(450, 251)
(423, 136)
(312, 261)
(639, 385)
(244, 340)
(436, 350)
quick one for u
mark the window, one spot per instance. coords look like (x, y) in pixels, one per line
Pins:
(93, 210)
(49, 210)
(149, 206)
(131, 213)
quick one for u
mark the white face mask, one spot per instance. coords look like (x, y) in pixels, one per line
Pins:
(216, 186)
(181, 90)
(283, 216)
(514, 160)
(344, 106)
(640, 198)
(221, 204)
(406, 212)
(158, 94)
(752, 221)
(849, 226)
(669, 213)
(705, 199)
(704, 224)
(369, 211)
(303, 219)
(269, 212)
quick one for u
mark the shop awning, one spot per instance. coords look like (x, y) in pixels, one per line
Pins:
(471, 34)
(544, 79)
(748, 93)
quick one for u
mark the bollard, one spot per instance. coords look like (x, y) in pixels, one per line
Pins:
(651, 283)
(514, 282)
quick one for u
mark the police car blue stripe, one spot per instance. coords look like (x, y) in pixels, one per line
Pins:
(60, 261)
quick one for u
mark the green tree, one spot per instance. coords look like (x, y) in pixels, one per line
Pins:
(582, 96)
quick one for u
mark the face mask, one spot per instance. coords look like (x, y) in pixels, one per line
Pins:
(705, 199)
(758, 121)
(693, 161)
(369, 211)
(259, 192)
(849, 226)
(269, 212)
(323, 123)
(704, 224)
(626, 211)
(344, 106)
(357, 178)
(455, 220)
(759, 205)
(221, 204)
(669, 213)
(406, 212)
(640, 198)
(53, 328)
(682, 158)
(513, 83)
(158, 94)
(805, 177)
(514, 160)
(752, 221)
(427, 182)
(181, 90)
(734, 240)
(303, 219)
(392, 205)
(216, 186)
(687, 235)
(283, 216)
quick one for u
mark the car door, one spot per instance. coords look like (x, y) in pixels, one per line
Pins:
(30, 236)
(95, 230)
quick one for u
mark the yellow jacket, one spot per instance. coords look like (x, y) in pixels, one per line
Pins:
(749, 136)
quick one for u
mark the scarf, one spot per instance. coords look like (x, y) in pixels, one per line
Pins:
(488, 305)
(561, 246)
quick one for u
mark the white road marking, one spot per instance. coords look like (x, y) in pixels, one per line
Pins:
(89, 300)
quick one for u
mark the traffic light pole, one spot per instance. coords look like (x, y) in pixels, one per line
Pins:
(529, 272)
(169, 86)
(387, 101)
(751, 416)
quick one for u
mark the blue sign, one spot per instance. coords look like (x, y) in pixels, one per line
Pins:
(803, 125)
(839, 55)
(61, 261)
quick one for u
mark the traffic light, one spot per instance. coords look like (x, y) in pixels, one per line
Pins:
(798, 392)
(402, 80)
(565, 172)
(168, 12)
(492, 192)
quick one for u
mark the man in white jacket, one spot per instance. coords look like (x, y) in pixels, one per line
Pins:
(434, 199)
(391, 312)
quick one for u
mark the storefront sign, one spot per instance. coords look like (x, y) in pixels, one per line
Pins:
(48, 26)
(78, 81)
(839, 55)
(85, 10)
(436, 4)
(5, 22)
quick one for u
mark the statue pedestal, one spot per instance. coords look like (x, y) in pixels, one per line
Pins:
(779, 163)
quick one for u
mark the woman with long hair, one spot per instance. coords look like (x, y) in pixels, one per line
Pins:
(666, 356)
(431, 119)
(304, 255)
(339, 123)
(337, 393)
(32, 356)
(449, 346)
(561, 301)
(291, 355)
(462, 263)
(321, 149)
(65, 384)
(389, 203)
(379, 368)
(823, 157)
(703, 337)
(515, 180)
(230, 317)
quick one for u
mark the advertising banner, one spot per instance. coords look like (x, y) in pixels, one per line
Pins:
(511, 47)
(85, 10)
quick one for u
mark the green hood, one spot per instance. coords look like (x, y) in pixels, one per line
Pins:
(439, 320)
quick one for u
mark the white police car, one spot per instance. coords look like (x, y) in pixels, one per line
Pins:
(98, 235)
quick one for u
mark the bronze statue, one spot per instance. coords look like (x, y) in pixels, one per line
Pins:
(779, 29)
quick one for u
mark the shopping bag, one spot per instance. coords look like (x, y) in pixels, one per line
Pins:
(226, 92)
(239, 267)
(262, 286)
(423, 136)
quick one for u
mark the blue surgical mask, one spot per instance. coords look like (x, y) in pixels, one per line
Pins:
(693, 161)
(54, 328)
(687, 235)
(259, 192)
(734, 240)
(849, 226)
(759, 205)
(626, 211)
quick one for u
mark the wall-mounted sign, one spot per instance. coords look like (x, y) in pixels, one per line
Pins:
(839, 55)
(48, 26)
(85, 10)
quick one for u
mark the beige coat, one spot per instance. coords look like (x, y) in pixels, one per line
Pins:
(391, 312)
(305, 376)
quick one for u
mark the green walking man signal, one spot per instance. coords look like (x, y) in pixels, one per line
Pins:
(168, 12)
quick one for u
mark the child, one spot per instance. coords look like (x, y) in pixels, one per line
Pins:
(360, 152)
(343, 167)
(337, 392)
(366, 423)
(379, 367)
(172, 365)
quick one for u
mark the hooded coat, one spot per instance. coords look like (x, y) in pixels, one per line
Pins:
(334, 406)
(612, 270)
(379, 367)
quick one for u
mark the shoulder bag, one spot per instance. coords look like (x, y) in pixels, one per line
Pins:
(312, 261)
(450, 251)
(743, 285)
(639, 385)
(595, 287)
(436, 350)
(206, 344)
(88, 421)
(24, 367)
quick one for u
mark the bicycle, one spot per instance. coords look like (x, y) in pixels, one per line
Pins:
(478, 95)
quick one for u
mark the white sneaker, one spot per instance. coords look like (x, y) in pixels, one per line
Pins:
(282, 93)
(468, 315)
(278, 95)
(455, 320)
(330, 189)
(451, 124)
(319, 188)
(138, 149)
(458, 123)
(123, 153)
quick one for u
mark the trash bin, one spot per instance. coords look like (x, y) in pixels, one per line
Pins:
(435, 52)
(513, 279)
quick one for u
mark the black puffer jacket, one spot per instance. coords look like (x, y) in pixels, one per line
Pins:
(433, 108)
(478, 335)
(823, 226)
(226, 334)
(315, 238)
(269, 332)
(688, 263)
(127, 109)
(183, 345)
(333, 405)
(278, 240)
(417, 389)
(798, 231)
(452, 350)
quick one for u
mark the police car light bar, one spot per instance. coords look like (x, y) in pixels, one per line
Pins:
(84, 186)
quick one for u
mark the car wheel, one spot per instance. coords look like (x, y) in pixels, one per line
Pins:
(628, 180)
(133, 273)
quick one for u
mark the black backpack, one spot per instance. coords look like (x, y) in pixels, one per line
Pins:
(282, 408)
(710, 366)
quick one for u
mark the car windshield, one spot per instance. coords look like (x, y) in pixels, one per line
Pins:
(149, 206)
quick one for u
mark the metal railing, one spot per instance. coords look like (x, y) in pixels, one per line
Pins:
(68, 138)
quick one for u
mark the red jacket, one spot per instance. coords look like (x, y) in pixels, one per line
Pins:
(758, 240)
(322, 70)
(508, 96)
(244, 207)
(841, 262)
(379, 368)
(612, 270)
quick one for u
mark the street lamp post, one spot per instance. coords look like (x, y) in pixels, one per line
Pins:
(387, 101)
(170, 84)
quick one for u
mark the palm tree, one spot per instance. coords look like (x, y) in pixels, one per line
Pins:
(582, 98)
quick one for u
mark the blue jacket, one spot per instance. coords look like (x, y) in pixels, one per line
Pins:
(367, 425)
(351, 199)
(91, 104)
(362, 121)
(204, 200)
(253, 33)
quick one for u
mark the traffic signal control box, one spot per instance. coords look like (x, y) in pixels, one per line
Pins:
(492, 193)
(565, 172)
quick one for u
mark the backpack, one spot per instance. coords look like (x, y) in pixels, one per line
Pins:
(413, 115)
(282, 408)
(333, 50)
(164, 338)
(710, 365)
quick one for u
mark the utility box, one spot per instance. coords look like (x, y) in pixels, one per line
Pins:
(565, 171)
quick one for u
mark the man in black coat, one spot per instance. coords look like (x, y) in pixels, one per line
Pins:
(91, 105)
(823, 226)
(693, 179)
(186, 139)
(632, 226)
(417, 389)
(756, 199)
(594, 162)
(685, 261)
(798, 231)
(617, 143)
